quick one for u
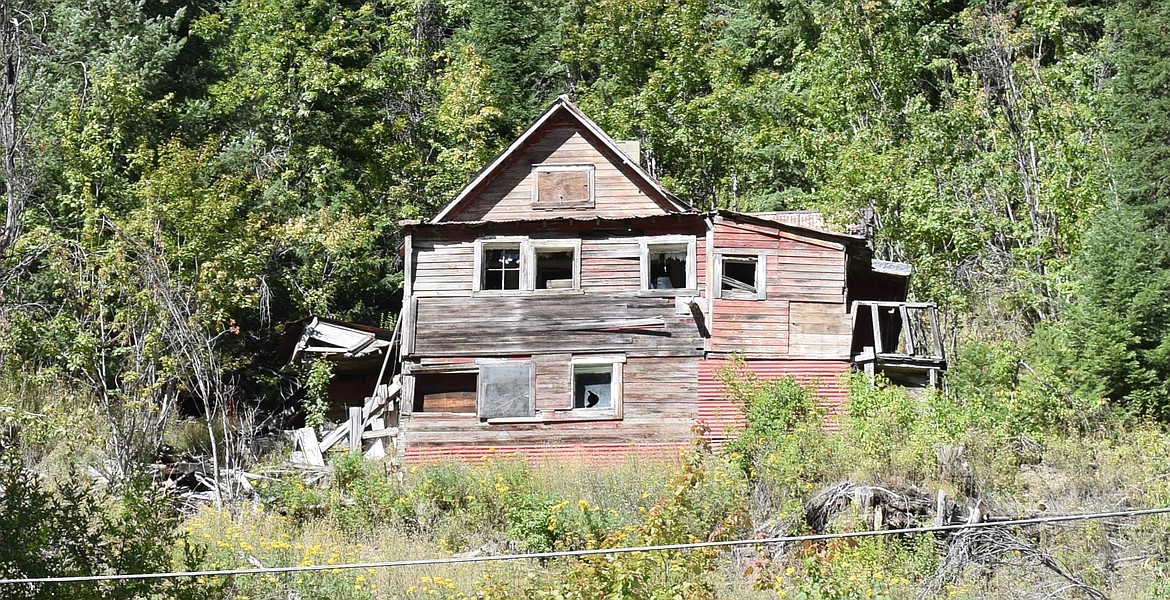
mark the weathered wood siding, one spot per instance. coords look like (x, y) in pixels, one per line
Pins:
(819, 330)
(802, 275)
(443, 268)
(509, 195)
(660, 399)
(551, 323)
(720, 416)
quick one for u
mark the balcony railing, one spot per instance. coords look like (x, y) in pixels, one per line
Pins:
(898, 339)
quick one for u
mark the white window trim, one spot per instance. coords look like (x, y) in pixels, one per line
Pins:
(644, 245)
(528, 249)
(590, 168)
(484, 244)
(538, 245)
(616, 362)
(761, 273)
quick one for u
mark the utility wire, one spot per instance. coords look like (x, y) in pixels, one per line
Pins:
(592, 552)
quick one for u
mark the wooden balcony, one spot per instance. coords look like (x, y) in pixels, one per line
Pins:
(900, 340)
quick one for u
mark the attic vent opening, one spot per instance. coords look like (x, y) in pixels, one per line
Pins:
(562, 186)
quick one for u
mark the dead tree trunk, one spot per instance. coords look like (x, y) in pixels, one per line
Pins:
(16, 179)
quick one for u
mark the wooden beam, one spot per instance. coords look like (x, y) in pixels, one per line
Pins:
(355, 429)
(375, 434)
(907, 331)
(877, 330)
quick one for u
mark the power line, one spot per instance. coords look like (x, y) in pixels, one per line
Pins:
(592, 552)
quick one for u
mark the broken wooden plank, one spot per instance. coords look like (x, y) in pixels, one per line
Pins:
(334, 436)
(377, 434)
(611, 324)
(306, 440)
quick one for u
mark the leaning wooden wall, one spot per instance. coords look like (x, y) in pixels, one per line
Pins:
(452, 324)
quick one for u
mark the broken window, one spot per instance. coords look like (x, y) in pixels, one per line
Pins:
(597, 384)
(444, 392)
(741, 277)
(501, 267)
(555, 269)
(667, 267)
(562, 186)
(668, 263)
(505, 390)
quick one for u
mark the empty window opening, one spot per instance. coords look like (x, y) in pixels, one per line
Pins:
(668, 267)
(445, 392)
(554, 269)
(592, 386)
(739, 275)
(501, 268)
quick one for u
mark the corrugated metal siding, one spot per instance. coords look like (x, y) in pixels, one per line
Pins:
(718, 414)
(599, 454)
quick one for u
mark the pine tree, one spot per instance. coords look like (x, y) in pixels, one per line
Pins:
(1117, 331)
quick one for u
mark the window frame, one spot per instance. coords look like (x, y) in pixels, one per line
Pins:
(645, 247)
(553, 244)
(481, 384)
(761, 275)
(538, 170)
(410, 384)
(616, 363)
(482, 246)
(528, 249)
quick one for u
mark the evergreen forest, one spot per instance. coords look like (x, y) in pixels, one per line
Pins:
(183, 177)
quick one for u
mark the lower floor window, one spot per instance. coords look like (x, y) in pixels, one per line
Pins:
(597, 383)
(444, 392)
(593, 386)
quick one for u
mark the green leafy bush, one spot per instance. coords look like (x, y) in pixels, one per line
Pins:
(78, 529)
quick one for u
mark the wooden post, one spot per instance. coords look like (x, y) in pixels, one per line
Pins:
(906, 330)
(877, 329)
(355, 429)
(940, 509)
(936, 334)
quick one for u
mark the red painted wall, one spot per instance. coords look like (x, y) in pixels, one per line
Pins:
(718, 414)
(593, 454)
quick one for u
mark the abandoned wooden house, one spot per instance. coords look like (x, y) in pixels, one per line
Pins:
(565, 304)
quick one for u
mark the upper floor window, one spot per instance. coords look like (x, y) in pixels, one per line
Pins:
(668, 263)
(501, 267)
(556, 268)
(521, 264)
(741, 277)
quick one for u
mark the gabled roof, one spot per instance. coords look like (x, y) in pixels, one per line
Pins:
(561, 107)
